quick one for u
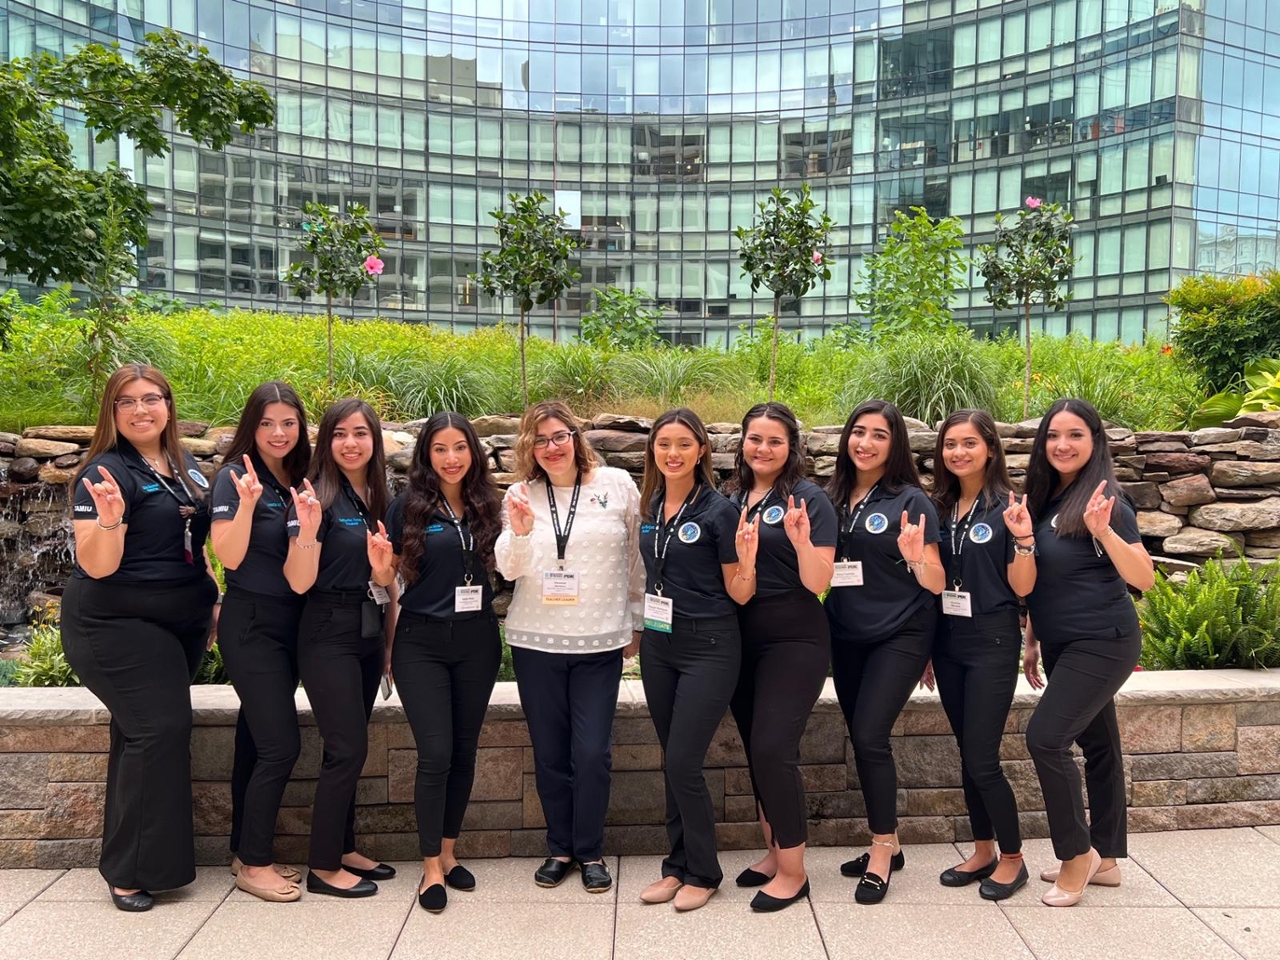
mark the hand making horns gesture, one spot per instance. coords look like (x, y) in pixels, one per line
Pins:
(106, 498)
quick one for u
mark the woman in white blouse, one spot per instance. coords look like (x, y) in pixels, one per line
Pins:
(570, 544)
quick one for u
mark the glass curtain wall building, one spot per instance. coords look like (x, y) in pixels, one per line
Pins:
(657, 124)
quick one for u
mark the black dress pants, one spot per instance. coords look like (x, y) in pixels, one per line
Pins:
(340, 671)
(258, 637)
(137, 647)
(689, 676)
(786, 648)
(873, 683)
(569, 700)
(976, 662)
(445, 670)
(1078, 705)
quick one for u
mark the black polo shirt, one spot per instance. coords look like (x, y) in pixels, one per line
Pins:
(1079, 593)
(696, 550)
(344, 548)
(440, 567)
(983, 552)
(777, 569)
(154, 547)
(262, 569)
(890, 594)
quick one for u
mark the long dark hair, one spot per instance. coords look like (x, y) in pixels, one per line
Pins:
(899, 468)
(655, 483)
(1043, 478)
(482, 507)
(325, 474)
(792, 471)
(995, 485)
(297, 460)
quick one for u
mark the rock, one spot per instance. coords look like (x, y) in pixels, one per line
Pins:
(617, 441)
(1154, 523)
(1019, 445)
(912, 424)
(1173, 508)
(1201, 543)
(822, 445)
(619, 421)
(1259, 515)
(43, 525)
(1006, 430)
(1018, 461)
(391, 445)
(1027, 428)
(223, 443)
(199, 448)
(1178, 462)
(1188, 491)
(44, 449)
(923, 441)
(1145, 496)
(209, 470)
(1129, 475)
(725, 442)
(1245, 493)
(400, 460)
(835, 428)
(1262, 553)
(1161, 436)
(191, 428)
(721, 427)
(1262, 538)
(7, 449)
(9, 437)
(1242, 473)
(24, 469)
(1155, 476)
(1173, 446)
(1208, 435)
(1253, 450)
(73, 434)
(57, 476)
(10, 530)
(67, 460)
(722, 462)
(1263, 418)
(402, 437)
(490, 426)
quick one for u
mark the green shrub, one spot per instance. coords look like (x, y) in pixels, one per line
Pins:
(8, 673)
(1225, 323)
(671, 377)
(1221, 616)
(45, 664)
(212, 669)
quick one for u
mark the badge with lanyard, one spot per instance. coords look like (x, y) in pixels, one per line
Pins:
(957, 602)
(466, 599)
(560, 587)
(186, 504)
(659, 610)
(377, 592)
(846, 572)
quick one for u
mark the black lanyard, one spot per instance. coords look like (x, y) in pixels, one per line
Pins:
(854, 516)
(662, 536)
(186, 503)
(957, 543)
(361, 509)
(754, 512)
(467, 540)
(562, 536)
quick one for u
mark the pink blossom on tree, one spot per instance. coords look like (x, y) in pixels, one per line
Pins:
(1033, 203)
(817, 257)
(373, 266)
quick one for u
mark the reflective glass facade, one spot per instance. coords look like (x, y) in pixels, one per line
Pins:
(657, 124)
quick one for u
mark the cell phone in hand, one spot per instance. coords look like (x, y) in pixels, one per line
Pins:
(386, 687)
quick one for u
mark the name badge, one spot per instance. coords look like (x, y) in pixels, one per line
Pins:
(467, 599)
(379, 593)
(559, 588)
(847, 573)
(955, 603)
(658, 612)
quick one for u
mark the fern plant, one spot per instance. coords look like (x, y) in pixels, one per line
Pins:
(45, 664)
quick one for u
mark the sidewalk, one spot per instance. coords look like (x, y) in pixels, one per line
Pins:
(1199, 895)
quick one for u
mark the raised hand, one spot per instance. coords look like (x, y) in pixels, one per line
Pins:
(911, 539)
(519, 510)
(1016, 517)
(247, 484)
(1097, 514)
(382, 556)
(106, 498)
(796, 522)
(309, 511)
(747, 541)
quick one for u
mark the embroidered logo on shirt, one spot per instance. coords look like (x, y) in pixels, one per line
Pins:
(1053, 521)
(877, 523)
(774, 514)
(689, 532)
(601, 500)
(150, 487)
(351, 521)
(980, 533)
(198, 478)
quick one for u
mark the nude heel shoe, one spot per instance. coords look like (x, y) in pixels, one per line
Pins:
(1057, 897)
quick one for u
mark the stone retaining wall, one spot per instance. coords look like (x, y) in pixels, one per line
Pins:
(1202, 749)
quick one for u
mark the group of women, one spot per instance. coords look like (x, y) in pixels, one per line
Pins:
(742, 600)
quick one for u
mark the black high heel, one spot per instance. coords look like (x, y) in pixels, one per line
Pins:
(139, 902)
(764, 903)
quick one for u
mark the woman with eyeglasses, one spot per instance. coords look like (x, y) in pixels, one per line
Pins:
(136, 621)
(571, 545)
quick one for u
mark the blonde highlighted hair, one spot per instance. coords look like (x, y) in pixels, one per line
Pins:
(527, 466)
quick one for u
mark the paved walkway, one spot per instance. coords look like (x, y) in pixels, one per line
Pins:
(1199, 895)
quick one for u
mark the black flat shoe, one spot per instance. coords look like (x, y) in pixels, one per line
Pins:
(364, 888)
(991, 890)
(433, 899)
(460, 878)
(552, 872)
(763, 903)
(858, 866)
(871, 888)
(139, 902)
(955, 877)
(381, 872)
(752, 878)
(595, 877)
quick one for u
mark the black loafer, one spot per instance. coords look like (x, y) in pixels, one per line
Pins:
(381, 872)
(595, 877)
(858, 866)
(752, 878)
(871, 888)
(991, 890)
(139, 902)
(955, 877)
(460, 878)
(763, 903)
(552, 872)
(364, 888)
(433, 899)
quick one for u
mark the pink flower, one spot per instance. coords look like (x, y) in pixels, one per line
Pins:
(1137, 668)
(817, 257)
(1034, 203)
(373, 266)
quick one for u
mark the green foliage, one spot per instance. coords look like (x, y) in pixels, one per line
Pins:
(783, 252)
(1225, 323)
(212, 669)
(1261, 379)
(912, 278)
(8, 673)
(1220, 617)
(673, 377)
(621, 320)
(45, 664)
(576, 373)
(771, 354)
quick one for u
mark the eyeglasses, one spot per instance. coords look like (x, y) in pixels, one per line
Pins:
(150, 401)
(555, 440)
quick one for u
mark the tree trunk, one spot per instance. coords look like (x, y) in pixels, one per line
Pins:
(773, 357)
(329, 309)
(524, 371)
(1026, 373)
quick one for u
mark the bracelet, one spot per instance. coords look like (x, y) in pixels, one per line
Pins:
(1025, 550)
(102, 526)
(915, 565)
(1029, 536)
(304, 546)
(739, 576)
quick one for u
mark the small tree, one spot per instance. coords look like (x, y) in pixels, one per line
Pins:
(783, 252)
(913, 277)
(1038, 259)
(531, 264)
(344, 248)
(621, 320)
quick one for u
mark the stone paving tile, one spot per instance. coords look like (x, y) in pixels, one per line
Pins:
(853, 932)
(510, 880)
(916, 882)
(1251, 874)
(9, 907)
(1137, 887)
(22, 885)
(722, 930)
(1253, 931)
(1271, 833)
(86, 885)
(474, 930)
(256, 930)
(1134, 933)
(74, 930)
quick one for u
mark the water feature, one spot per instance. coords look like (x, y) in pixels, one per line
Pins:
(35, 549)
